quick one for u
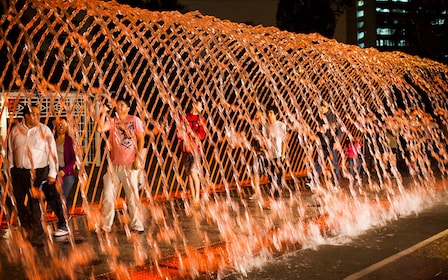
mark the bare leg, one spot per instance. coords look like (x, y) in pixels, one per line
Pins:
(195, 186)
(191, 186)
(256, 184)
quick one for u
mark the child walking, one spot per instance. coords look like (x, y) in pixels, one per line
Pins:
(352, 151)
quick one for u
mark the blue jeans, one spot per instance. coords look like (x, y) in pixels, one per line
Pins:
(67, 185)
(334, 161)
(351, 166)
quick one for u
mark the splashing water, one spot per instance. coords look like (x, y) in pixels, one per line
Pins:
(72, 56)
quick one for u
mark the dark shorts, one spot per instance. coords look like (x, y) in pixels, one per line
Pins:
(188, 162)
(260, 164)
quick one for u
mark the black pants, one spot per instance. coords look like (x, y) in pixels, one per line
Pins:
(276, 177)
(272, 168)
(30, 214)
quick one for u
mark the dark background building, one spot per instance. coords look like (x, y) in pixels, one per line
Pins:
(418, 27)
(415, 27)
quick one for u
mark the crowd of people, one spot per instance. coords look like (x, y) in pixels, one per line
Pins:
(42, 161)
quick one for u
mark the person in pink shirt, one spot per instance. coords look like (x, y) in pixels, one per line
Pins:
(352, 151)
(126, 141)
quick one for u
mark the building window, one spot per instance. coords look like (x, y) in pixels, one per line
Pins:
(385, 31)
(403, 43)
(360, 35)
(385, 43)
(439, 21)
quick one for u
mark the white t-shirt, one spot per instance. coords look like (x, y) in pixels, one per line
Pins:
(277, 134)
(36, 142)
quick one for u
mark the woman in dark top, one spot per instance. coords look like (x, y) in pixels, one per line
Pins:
(66, 156)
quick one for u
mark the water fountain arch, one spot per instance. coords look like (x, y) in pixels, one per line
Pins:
(73, 55)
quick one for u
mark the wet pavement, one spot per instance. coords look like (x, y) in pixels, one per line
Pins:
(411, 247)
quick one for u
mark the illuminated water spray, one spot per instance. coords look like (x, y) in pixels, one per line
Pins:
(72, 56)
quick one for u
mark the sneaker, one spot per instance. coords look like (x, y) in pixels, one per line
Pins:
(139, 231)
(105, 230)
(61, 232)
(6, 233)
(308, 186)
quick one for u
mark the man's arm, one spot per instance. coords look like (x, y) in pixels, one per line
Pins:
(10, 149)
(140, 138)
(285, 145)
(140, 141)
(140, 144)
(52, 156)
(103, 125)
(201, 131)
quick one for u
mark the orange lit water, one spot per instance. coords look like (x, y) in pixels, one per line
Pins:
(73, 55)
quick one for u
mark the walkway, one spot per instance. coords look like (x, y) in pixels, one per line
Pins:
(201, 254)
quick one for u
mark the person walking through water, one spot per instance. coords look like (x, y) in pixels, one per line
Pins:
(329, 135)
(259, 160)
(126, 140)
(33, 160)
(191, 132)
(352, 151)
(277, 145)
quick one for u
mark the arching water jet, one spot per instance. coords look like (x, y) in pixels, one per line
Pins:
(73, 56)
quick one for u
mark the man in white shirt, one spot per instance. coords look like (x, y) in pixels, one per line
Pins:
(277, 148)
(33, 161)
